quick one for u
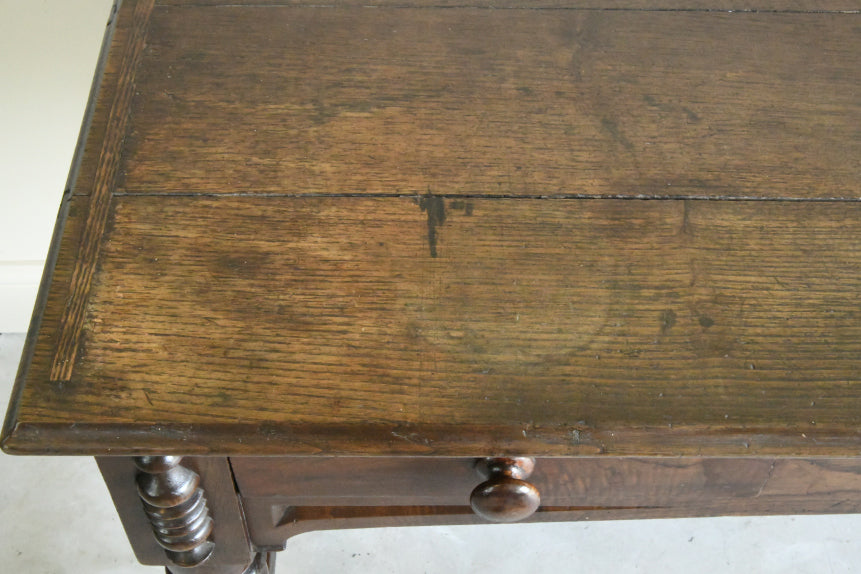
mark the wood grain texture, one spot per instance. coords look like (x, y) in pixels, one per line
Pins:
(426, 230)
(325, 325)
(129, 41)
(320, 243)
(284, 497)
(497, 103)
(656, 482)
(737, 5)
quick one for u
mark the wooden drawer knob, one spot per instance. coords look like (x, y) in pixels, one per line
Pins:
(505, 496)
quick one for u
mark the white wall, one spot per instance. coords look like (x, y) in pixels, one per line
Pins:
(48, 53)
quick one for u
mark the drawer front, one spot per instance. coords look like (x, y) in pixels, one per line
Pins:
(285, 496)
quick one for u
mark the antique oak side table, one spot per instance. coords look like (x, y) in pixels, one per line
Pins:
(439, 262)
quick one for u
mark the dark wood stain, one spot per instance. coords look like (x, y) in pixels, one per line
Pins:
(468, 207)
(435, 209)
(668, 320)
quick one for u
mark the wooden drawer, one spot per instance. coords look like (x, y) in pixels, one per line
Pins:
(283, 496)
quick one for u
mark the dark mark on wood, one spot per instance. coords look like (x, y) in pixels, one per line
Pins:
(612, 128)
(691, 115)
(686, 221)
(668, 319)
(467, 207)
(435, 208)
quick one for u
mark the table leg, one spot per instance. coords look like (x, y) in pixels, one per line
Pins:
(176, 508)
(183, 513)
(264, 563)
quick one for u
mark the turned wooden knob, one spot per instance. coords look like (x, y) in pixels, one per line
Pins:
(505, 496)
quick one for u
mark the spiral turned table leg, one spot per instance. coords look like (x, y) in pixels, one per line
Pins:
(176, 507)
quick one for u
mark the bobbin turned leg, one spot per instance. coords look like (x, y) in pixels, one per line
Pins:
(183, 513)
(176, 507)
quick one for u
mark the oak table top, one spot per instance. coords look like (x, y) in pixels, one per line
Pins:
(621, 228)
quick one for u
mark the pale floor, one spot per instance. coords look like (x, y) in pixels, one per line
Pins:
(55, 517)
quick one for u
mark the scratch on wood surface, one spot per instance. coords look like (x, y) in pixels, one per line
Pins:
(413, 437)
(767, 478)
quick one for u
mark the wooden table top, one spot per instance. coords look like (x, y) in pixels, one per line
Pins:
(624, 227)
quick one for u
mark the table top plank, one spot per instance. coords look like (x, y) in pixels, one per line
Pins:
(664, 5)
(496, 103)
(555, 323)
